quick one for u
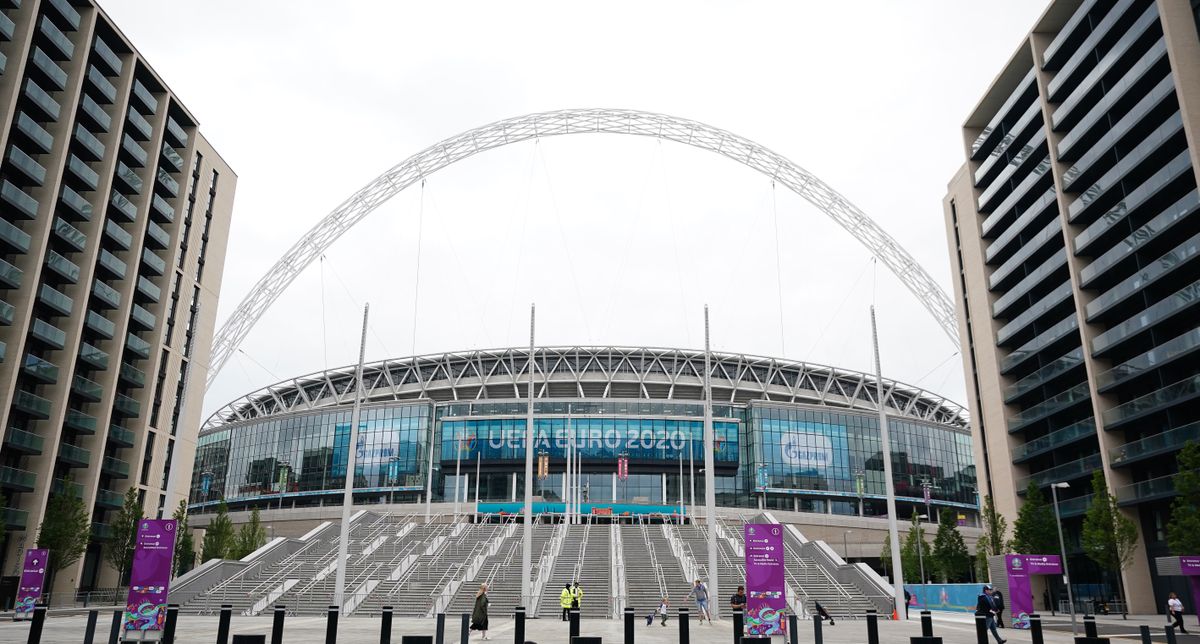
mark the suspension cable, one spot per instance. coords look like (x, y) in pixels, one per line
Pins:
(778, 273)
(417, 277)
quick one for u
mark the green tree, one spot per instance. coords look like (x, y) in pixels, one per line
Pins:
(185, 545)
(950, 557)
(250, 537)
(1183, 531)
(219, 538)
(1035, 532)
(118, 550)
(993, 541)
(1109, 537)
(915, 551)
(66, 529)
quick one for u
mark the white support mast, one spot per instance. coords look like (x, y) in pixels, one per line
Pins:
(885, 445)
(527, 539)
(339, 589)
(710, 490)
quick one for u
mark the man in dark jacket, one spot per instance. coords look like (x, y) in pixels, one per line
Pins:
(998, 598)
(985, 606)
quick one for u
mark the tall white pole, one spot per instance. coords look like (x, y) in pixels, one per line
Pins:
(457, 471)
(429, 473)
(527, 538)
(710, 489)
(566, 484)
(691, 473)
(339, 589)
(477, 459)
(1062, 546)
(885, 445)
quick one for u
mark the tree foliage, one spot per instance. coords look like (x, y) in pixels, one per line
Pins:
(951, 559)
(219, 538)
(994, 540)
(251, 537)
(915, 550)
(66, 529)
(1035, 532)
(185, 545)
(1183, 531)
(118, 550)
(1109, 537)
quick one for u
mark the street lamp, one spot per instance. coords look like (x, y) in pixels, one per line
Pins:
(1054, 487)
(846, 546)
(858, 484)
(921, 546)
(393, 474)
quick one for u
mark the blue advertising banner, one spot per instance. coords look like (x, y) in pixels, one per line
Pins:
(802, 450)
(957, 598)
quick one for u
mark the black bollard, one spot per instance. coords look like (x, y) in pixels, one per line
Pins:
(277, 624)
(872, 627)
(926, 624)
(1089, 626)
(981, 630)
(519, 626)
(630, 617)
(1144, 631)
(439, 631)
(793, 628)
(818, 638)
(1035, 629)
(1170, 631)
(114, 633)
(385, 626)
(168, 635)
(223, 624)
(39, 620)
(89, 633)
(739, 626)
(685, 635)
(573, 624)
(464, 629)
(331, 621)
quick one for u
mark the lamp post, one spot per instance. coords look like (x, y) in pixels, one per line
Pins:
(1062, 545)
(921, 545)
(846, 546)
(393, 470)
(859, 475)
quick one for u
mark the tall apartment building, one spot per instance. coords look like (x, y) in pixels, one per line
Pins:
(115, 216)
(1074, 235)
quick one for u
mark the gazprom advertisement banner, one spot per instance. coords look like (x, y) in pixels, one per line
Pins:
(806, 450)
(150, 575)
(33, 577)
(766, 600)
(594, 438)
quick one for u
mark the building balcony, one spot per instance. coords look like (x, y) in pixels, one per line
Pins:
(122, 207)
(141, 130)
(115, 467)
(15, 519)
(100, 119)
(70, 234)
(1075, 507)
(15, 479)
(56, 300)
(49, 107)
(73, 455)
(172, 157)
(1165, 353)
(76, 206)
(162, 209)
(137, 345)
(109, 499)
(13, 237)
(168, 183)
(10, 276)
(39, 369)
(7, 28)
(148, 289)
(177, 132)
(153, 263)
(68, 14)
(125, 406)
(101, 531)
(132, 376)
(1073, 396)
(1159, 488)
(1042, 341)
(107, 56)
(135, 153)
(31, 404)
(23, 205)
(62, 267)
(37, 135)
(106, 294)
(19, 440)
(47, 334)
(119, 235)
(145, 96)
(87, 177)
(1047, 373)
(111, 265)
(1054, 440)
(63, 488)
(1167, 442)
(120, 436)
(89, 390)
(51, 72)
(142, 318)
(94, 356)
(156, 237)
(80, 422)
(88, 143)
(103, 88)
(101, 325)
(7, 313)
(1173, 394)
(1076, 469)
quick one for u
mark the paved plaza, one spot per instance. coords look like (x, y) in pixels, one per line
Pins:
(954, 628)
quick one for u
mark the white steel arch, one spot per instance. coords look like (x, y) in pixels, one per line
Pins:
(576, 121)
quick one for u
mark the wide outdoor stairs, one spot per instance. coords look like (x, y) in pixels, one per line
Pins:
(586, 557)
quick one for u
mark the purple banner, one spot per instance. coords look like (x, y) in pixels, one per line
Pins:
(1020, 592)
(150, 576)
(1189, 565)
(33, 576)
(766, 596)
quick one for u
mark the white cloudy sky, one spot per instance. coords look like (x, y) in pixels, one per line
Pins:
(619, 240)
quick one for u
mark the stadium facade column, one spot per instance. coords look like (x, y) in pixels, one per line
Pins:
(527, 539)
(885, 445)
(710, 492)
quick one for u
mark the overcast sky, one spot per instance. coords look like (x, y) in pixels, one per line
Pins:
(618, 239)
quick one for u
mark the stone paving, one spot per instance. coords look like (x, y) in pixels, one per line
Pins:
(953, 628)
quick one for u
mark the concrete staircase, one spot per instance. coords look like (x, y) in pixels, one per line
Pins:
(651, 570)
(586, 557)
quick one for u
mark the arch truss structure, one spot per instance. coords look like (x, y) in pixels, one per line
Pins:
(576, 121)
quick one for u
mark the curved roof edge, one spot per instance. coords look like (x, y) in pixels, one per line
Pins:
(613, 372)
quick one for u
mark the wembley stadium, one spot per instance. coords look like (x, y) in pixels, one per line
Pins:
(450, 428)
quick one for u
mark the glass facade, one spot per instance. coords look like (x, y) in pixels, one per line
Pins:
(766, 454)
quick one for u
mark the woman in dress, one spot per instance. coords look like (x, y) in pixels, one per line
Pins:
(479, 614)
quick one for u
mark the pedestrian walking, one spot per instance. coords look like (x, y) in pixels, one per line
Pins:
(663, 607)
(700, 592)
(565, 600)
(577, 597)
(999, 598)
(479, 614)
(823, 613)
(907, 602)
(1175, 610)
(985, 606)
